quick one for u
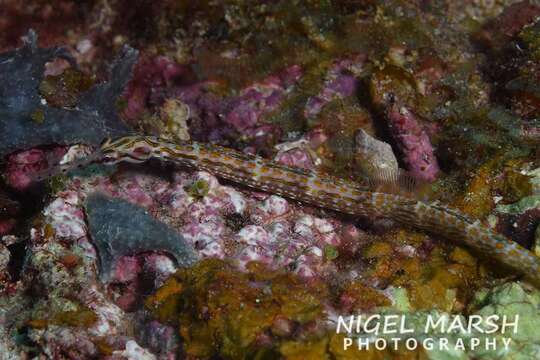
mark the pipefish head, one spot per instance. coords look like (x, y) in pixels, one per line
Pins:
(76, 161)
(129, 148)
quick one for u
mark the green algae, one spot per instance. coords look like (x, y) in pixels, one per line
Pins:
(510, 299)
(222, 311)
(199, 189)
(330, 252)
(310, 350)
(58, 181)
(526, 203)
(340, 119)
(63, 90)
(296, 32)
(513, 299)
(503, 177)
(393, 80)
(289, 116)
(38, 116)
(481, 132)
(364, 298)
(83, 317)
(443, 281)
(478, 195)
(517, 184)
(530, 36)
(312, 33)
(400, 299)
(63, 312)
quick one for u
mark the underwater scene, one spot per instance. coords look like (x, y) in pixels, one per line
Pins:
(270, 179)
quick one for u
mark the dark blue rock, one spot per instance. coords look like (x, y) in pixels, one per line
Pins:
(93, 119)
(119, 228)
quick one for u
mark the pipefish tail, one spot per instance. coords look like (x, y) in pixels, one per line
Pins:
(326, 191)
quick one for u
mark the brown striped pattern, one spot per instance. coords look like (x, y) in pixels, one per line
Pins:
(326, 191)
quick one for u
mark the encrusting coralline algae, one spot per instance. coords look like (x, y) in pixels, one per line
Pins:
(451, 96)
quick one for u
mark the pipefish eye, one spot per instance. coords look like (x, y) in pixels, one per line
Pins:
(109, 156)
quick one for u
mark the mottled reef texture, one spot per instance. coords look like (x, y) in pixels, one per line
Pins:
(150, 261)
(27, 120)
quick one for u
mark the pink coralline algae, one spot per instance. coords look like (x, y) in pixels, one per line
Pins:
(245, 110)
(212, 117)
(340, 82)
(299, 153)
(150, 80)
(300, 157)
(273, 230)
(413, 142)
(61, 266)
(131, 272)
(221, 222)
(224, 119)
(206, 110)
(218, 221)
(22, 166)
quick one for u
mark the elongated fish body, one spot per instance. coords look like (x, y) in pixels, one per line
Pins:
(326, 191)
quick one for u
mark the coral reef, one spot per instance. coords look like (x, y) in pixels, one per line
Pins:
(151, 261)
(241, 311)
(340, 81)
(119, 229)
(28, 120)
(414, 143)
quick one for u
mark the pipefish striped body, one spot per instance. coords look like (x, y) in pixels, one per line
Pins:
(322, 190)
